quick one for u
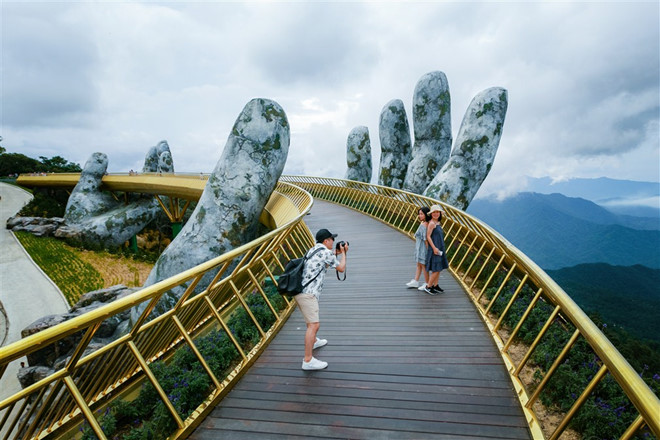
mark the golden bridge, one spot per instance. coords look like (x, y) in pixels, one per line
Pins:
(402, 364)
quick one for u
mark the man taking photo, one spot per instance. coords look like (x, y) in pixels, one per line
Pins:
(323, 255)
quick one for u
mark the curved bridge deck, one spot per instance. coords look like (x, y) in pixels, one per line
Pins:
(402, 364)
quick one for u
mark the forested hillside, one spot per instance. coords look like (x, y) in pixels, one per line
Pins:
(625, 296)
(558, 231)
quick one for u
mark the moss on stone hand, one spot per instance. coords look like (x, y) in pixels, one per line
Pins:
(470, 144)
(272, 113)
(274, 143)
(201, 214)
(431, 168)
(487, 108)
(235, 233)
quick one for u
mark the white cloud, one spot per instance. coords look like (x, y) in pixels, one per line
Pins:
(46, 73)
(583, 79)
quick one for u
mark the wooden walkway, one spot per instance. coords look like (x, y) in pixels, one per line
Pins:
(402, 364)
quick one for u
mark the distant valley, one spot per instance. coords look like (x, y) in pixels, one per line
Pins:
(623, 296)
(558, 231)
(605, 255)
(641, 199)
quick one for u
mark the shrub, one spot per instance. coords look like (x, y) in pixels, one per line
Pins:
(183, 379)
(45, 203)
(607, 412)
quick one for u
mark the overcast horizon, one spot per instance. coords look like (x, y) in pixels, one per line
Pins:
(583, 79)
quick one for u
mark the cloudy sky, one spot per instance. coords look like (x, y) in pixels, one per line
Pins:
(583, 79)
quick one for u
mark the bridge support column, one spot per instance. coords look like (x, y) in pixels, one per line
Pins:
(176, 228)
(132, 243)
(174, 212)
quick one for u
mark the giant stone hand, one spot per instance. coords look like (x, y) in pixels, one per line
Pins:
(95, 219)
(394, 144)
(227, 214)
(432, 128)
(454, 178)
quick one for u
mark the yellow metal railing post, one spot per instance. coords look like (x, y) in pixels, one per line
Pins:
(154, 382)
(541, 386)
(474, 260)
(511, 301)
(578, 403)
(493, 300)
(89, 415)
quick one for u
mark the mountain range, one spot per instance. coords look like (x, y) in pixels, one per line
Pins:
(558, 231)
(629, 197)
(599, 240)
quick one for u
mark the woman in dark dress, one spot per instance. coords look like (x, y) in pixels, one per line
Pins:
(436, 258)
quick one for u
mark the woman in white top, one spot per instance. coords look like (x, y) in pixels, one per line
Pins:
(420, 250)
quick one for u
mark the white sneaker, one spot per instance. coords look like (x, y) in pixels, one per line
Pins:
(412, 283)
(314, 364)
(319, 343)
(422, 287)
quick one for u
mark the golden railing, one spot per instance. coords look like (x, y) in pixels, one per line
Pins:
(183, 185)
(87, 382)
(495, 274)
(491, 269)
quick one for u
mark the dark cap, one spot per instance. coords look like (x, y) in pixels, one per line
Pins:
(323, 234)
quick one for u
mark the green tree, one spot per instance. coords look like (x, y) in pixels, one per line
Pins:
(16, 163)
(58, 164)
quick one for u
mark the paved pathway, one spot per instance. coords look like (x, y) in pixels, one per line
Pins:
(26, 293)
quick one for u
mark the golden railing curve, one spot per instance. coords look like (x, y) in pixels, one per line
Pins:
(88, 380)
(476, 254)
(487, 265)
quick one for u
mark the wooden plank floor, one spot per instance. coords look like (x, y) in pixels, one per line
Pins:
(402, 364)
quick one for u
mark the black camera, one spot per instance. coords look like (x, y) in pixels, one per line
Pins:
(340, 244)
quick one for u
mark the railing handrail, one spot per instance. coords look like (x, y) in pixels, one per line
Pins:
(641, 396)
(47, 336)
(149, 340)
(395, 208)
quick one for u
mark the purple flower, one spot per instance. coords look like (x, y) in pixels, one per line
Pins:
(656, 376)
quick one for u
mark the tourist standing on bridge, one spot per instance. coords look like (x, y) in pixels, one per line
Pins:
(436, 258)
(308, 301)
(420, 249)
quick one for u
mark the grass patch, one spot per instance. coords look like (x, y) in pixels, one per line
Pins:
(60, 262)
(117, 268)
